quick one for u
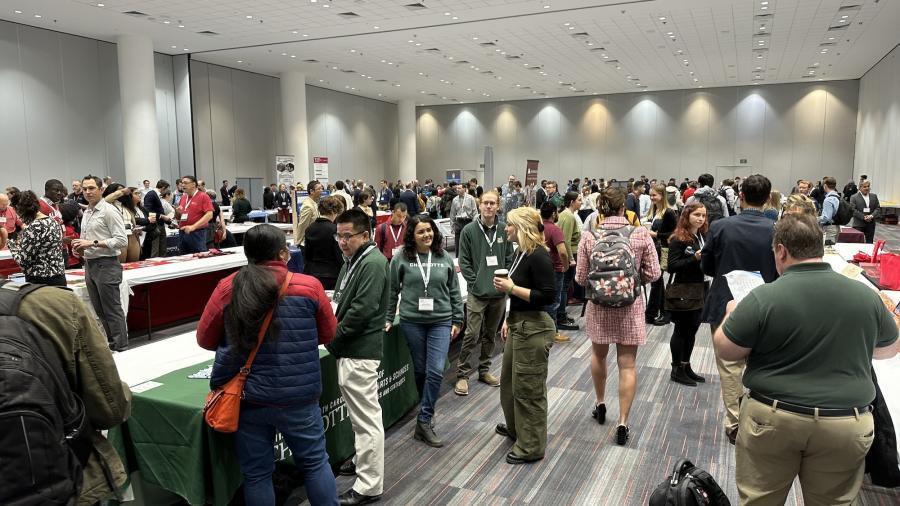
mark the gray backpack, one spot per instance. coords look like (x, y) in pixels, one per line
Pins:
(613, 278)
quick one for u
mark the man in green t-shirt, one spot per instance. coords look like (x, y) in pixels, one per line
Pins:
(809, 339)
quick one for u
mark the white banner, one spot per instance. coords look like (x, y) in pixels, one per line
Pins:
(320, 169)
(284, 170)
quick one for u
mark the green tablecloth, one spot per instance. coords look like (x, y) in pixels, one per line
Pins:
(167, 440)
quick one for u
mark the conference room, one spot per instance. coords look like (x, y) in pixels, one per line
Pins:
(295, 195)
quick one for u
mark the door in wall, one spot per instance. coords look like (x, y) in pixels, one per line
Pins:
(253, 187)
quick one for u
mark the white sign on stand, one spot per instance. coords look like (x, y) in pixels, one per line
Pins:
(284, 170)
(320, 169)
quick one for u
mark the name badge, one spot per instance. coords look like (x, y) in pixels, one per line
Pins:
(396, 251)
(426, 304)
(865, 209)
(3, 220)
(492, 261)
(284, 203)
(184, 217)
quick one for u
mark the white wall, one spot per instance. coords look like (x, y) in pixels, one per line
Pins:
(238, 129)
(878, 127)
(784, 131)
(59, 104)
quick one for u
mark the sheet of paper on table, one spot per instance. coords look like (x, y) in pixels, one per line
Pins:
(851, 271)
(742, 282)
(143, 387)
(204, 373)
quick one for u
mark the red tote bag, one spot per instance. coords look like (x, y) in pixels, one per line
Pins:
(890, 271)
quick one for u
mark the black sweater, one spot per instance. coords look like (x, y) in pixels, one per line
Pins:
(534, 271)
(664, 227)
(682, 262)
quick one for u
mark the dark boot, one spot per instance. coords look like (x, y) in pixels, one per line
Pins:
(691, 374)
(679, 376)
(425, 433)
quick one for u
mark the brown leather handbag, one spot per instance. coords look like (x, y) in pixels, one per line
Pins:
(684, 296)
(223, 405)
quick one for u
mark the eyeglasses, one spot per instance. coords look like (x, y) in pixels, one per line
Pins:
(346, 237)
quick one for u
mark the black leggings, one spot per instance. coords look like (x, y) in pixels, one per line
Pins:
(656, 299)
(684, 335)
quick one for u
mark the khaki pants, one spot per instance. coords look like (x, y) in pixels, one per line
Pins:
(731, 374)
(358, 382)
(482, 320)
(523, 381)
(775, 446)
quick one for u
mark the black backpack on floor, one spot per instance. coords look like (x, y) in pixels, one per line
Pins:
(44, 434)
(688, 485)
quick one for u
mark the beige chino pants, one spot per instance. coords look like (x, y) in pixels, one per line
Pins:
(358, 382)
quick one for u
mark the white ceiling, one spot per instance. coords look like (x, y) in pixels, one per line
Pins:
(490, 50)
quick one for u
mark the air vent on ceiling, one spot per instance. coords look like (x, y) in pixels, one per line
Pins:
(580, 35)
(415, 6)
(525, 88)
(827, 44)
(535, 67)
(348, 71)
(763, 17)
(348, 14)
(433, 50)
(208, 33)
(487, 44)
(565, 84)
(310, 61)
(137, 14)
(381, 80)
(487, 72)
(845, 8)
(598, 49)
(513, 57)
(461, 61)
(614, 62)
(807, 76)
(432, 94)
(838, 28)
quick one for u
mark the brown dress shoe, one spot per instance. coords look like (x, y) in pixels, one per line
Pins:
(462, 387)
(489, 380)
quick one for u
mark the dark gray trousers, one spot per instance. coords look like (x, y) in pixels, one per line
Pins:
(103, 277)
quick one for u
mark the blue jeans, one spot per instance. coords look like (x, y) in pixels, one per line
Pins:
(429, 344)
(195, 242)
(303, 432)
(552, 309)
(563, 299)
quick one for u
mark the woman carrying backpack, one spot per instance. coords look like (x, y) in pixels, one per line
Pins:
(686, 279)
(624, 325)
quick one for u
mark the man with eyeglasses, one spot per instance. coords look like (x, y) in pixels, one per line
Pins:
(361, 294)
(309, 212)
(195, 210)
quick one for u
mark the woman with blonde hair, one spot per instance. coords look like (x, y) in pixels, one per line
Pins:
(772, 208)
(528, 335)
(622, 326)
(662, 223)
(799, 203)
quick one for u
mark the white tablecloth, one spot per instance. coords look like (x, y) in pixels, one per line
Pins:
(5, 254)
(236, 228)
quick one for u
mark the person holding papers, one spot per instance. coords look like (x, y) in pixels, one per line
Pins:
(741, 242)
(235, 316)
(424, 279)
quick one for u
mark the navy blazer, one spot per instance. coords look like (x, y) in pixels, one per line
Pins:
(742, 242)
(153, 204)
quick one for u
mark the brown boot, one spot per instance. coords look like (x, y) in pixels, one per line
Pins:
(462, 387)
(489, 380)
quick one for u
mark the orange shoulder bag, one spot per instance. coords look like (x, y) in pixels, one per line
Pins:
(223, 405)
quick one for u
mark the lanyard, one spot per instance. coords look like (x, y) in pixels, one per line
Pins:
(700, 241)
(515, 265)
(426, 274)
(397, 235)
(353, 267)
(188, 201)
(490, 242)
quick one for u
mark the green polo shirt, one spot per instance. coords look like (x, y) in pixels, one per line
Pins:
(812, 333)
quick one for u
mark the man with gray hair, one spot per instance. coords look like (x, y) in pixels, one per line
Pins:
(809, 375)
(9, 220)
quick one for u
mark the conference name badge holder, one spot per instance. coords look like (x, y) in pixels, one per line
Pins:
(426, 303)
(3, 220)
(338, 294)
(491, 259)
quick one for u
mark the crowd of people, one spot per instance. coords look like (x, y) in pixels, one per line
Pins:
(636, 253)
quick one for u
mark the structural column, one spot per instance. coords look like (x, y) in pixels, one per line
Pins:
(137, 92)
(293, 116)
(406, 128)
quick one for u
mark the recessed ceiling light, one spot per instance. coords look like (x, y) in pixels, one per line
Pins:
(368, 77)
(38, 16)
(764, 3)
(759, 57)
(502, 52)
(180, 26)
(410, 41)
(167, 22)
(546, 6)
(763, 7)
(346, 87)
(824, 50)
(383, 61)
(418, 43)
(380, 95)
(670, 33)
(830, 38)
(525, 64)
(283, 54)
(375, 27)
(240, 61)
(446, 14)
(566, 23)
(518, 86)
(101, 5)
(443, 98)
(422, 91)
(18, 12)
(590, 43)
(421, 73)
(352, 50)
(468, 89)
(455, 18)
(571, 28)
(313, 1)
(174, 47)
(449, 58)
(248, 16)
(762, 28)
(662, 18)
(362, 75)
(293, 56)
(295, 32)
(321, 80)
(695, 79)
(326, 5)
(333, 68)
(186, 49)
(845, 16)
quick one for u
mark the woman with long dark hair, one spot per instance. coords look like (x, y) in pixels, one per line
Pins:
(685, 244)
(528, 333)
(38, 247)
(283, 388)
(622, 326)
(423, 277)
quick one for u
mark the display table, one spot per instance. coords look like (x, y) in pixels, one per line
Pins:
(382, 217)
(850, 234)
(167, 440)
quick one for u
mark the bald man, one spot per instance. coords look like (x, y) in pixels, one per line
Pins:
(9, 220)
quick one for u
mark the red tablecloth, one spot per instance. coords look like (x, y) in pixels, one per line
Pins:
(382, 218)
(848, 234)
